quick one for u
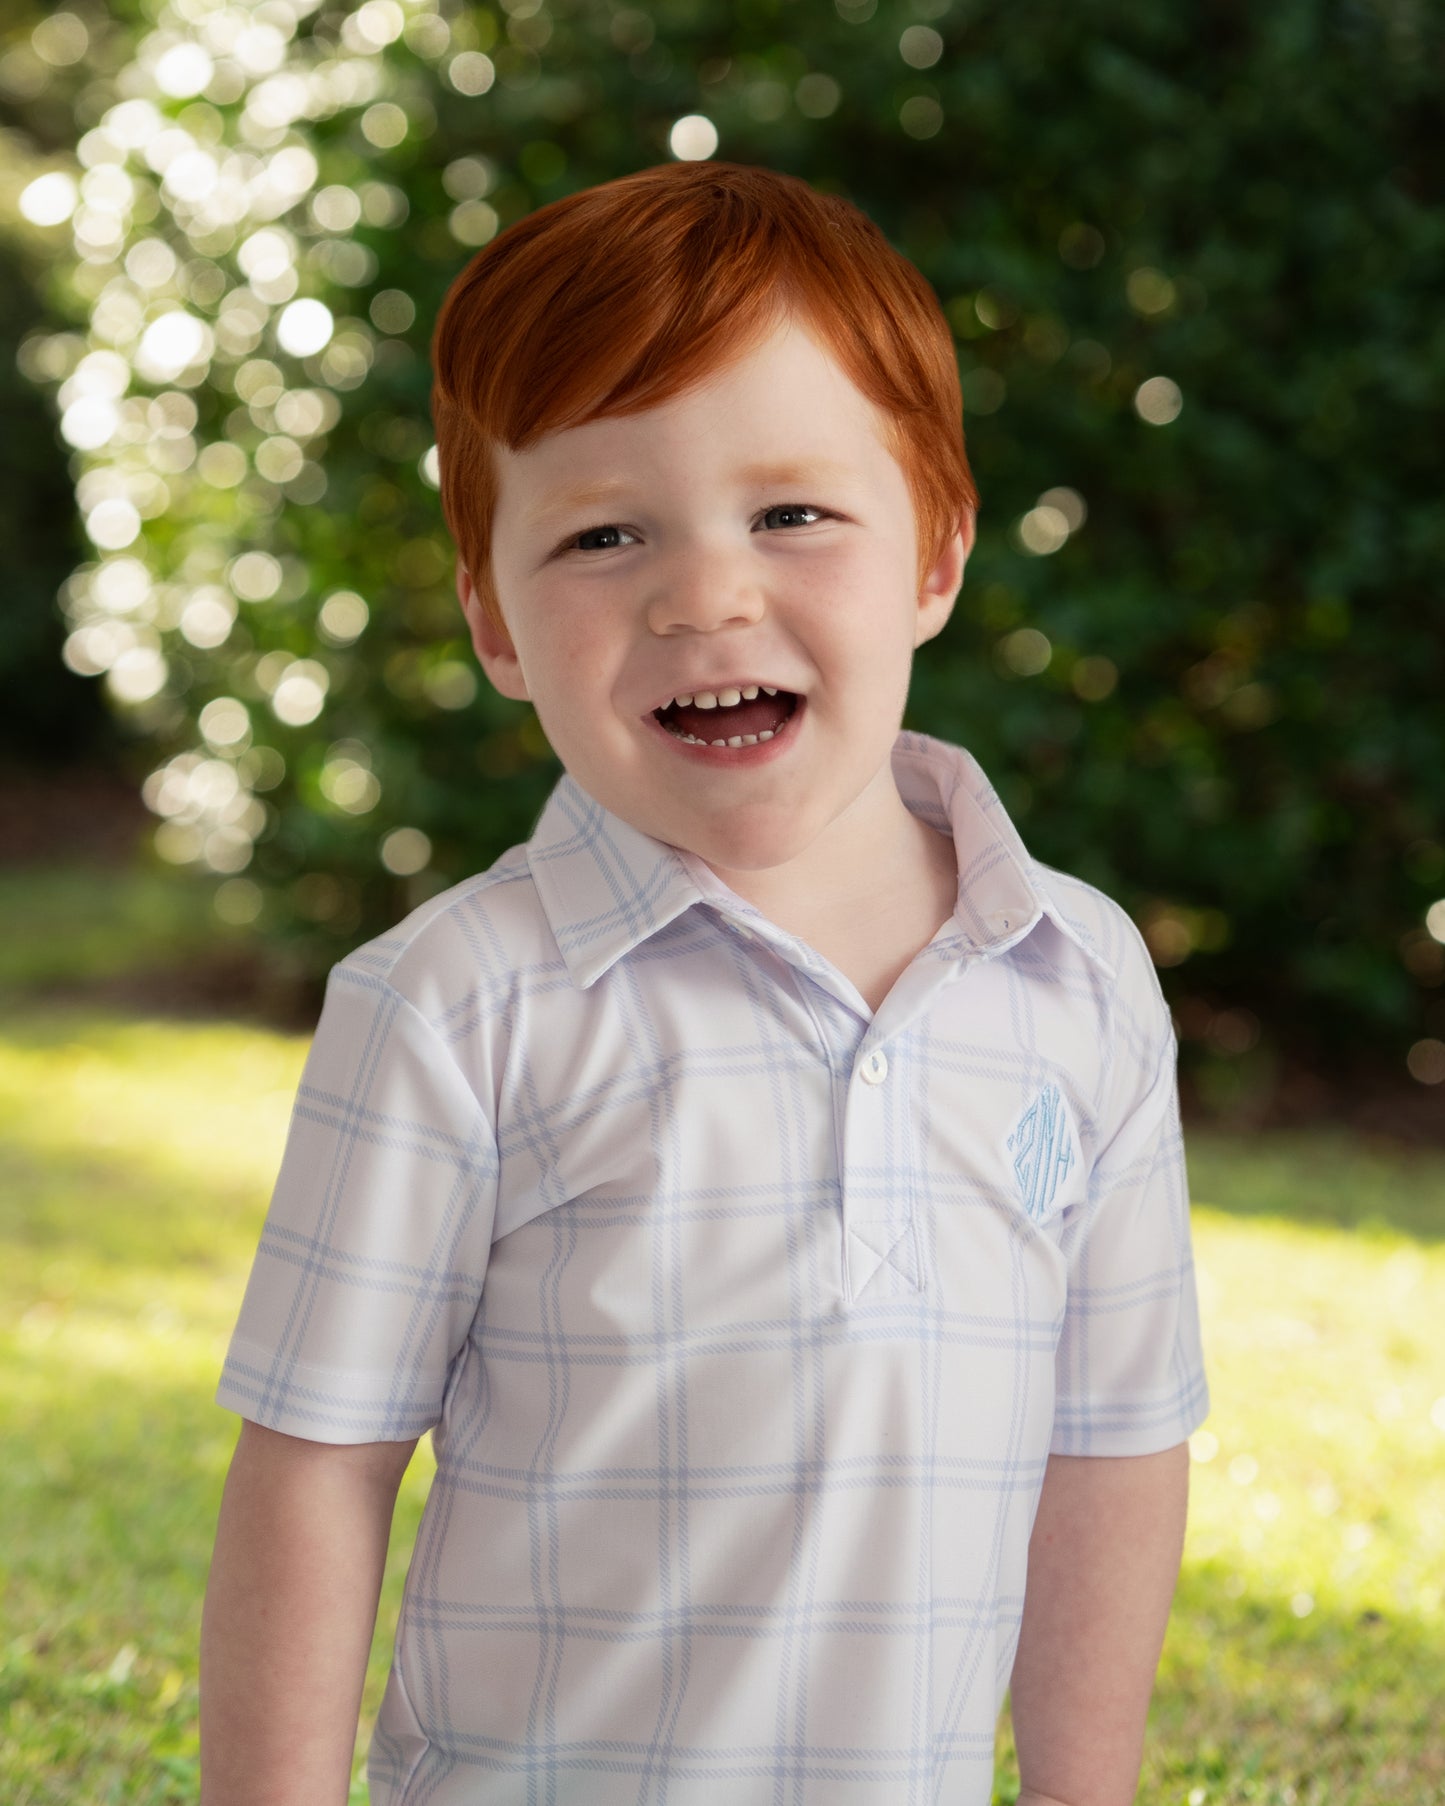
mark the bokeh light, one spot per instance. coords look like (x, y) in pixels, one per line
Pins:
(255, 576)
(60, 40)
(301, 693)
(50, 199)
(474, 223)
(305, 327)
(406, 851)
(1150, 292)
(137, 675)
(337, 209)
(207, 618)
(343, 617)
(1067, 502)
(113, 523)
(920, 46)
(921, 116)
(384, 125)
(471, 73)
(225, 722)
(172, 344)
(1093, 678)
(238, 901)
(1158, 400)
(222, 465)
(393, 310)
(693, 139)
(184, 70)
(1042, 530)
(1026, 652)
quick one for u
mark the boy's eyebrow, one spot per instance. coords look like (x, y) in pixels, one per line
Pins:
(801, 470)
(778, 475)
(585, 495)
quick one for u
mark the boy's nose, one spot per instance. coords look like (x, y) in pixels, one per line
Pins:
(702, 595)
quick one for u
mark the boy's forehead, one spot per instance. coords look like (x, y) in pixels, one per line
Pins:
(781, 411)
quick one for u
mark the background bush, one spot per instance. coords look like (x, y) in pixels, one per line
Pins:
(1193, 258)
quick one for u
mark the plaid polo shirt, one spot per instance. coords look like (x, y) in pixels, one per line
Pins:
(744, 1319)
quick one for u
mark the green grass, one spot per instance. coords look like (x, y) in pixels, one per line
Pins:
(1304, 1659)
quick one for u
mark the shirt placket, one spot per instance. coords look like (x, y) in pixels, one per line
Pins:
(873, 1063)
(880, 1247)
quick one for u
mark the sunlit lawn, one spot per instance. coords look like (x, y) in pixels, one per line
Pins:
(1307, 1654)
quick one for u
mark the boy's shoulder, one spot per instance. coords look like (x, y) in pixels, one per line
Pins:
(476, 930)
(1101, 926)
(553, 912)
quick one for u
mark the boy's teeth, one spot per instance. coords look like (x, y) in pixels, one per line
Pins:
(723, 699)
(686, 717)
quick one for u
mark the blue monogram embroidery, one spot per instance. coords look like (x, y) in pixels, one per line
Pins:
(1043, 1151)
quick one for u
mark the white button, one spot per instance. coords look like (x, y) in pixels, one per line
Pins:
(874, 1069)
(1000, 922)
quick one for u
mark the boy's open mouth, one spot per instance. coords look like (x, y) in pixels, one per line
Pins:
(728, 717)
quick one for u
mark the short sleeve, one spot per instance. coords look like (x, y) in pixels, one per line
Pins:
(371, 1262)
(1129, 1370)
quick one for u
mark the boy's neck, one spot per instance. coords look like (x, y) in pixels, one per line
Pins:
(867, 900)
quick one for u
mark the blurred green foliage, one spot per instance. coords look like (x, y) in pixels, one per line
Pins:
(1193, 258)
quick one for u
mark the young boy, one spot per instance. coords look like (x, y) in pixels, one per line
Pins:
(765, 1184)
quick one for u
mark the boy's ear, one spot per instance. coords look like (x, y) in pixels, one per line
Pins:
(942, 584)
(491, 641)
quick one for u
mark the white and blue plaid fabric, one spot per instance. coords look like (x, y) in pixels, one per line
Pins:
(744, 1320)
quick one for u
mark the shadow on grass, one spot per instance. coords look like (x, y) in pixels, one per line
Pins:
(1324, 1178)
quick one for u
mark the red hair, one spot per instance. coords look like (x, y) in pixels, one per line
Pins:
(617, 298)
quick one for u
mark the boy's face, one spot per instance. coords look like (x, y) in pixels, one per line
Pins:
(751, 535)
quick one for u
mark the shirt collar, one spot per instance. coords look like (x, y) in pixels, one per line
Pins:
(606, 887)
(1003, 891)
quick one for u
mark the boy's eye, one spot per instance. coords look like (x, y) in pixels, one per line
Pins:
(600, 539)
(792, 514)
